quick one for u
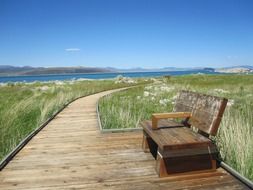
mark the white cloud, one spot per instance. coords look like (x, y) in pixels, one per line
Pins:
(72, 49)
(232, 57)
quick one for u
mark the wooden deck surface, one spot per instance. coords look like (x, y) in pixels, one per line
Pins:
(71, 153)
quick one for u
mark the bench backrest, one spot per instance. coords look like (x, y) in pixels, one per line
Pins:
(206, 110)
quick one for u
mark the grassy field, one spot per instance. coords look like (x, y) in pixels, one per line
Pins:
(24, 106)
(126, 109)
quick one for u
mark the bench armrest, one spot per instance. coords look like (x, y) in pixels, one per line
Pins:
(157, 116)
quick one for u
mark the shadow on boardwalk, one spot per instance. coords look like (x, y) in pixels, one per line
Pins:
(72, 153)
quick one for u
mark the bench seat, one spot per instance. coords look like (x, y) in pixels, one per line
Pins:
(173, 136)
(178, 149)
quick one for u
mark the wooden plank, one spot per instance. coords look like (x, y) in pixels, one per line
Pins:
(161, 124)
(157, 116)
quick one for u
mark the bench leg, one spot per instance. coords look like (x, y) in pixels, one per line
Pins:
(213, 163)
(148, 145)
(160, 166)
(145, 146)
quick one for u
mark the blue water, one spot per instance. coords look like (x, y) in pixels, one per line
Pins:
(96, 76)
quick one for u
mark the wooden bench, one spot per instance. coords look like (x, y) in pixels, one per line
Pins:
(185, 146)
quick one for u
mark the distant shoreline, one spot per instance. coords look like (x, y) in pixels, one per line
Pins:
(92, 73)
(26, 71)
(109, 72)
(106, 75)
(98, 75)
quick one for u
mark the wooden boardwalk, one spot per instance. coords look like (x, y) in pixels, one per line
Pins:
(72, 153)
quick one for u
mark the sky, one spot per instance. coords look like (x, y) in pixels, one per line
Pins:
(126, 33)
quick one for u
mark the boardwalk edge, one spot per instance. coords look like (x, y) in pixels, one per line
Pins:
(237, 175)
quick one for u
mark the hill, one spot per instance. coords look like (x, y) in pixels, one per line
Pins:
(236, 69)
(6, 70)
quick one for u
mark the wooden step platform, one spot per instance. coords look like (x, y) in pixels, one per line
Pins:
(71, 153)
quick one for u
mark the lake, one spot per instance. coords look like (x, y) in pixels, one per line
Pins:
(96, 76)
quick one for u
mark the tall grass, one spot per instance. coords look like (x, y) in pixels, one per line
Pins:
(127, 108)
(234, 139)
(24, 106)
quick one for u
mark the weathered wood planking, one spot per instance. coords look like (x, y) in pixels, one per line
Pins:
(206, 110)
(71, 153)
(157, 116)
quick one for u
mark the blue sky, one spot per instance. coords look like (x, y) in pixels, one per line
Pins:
(126, 33)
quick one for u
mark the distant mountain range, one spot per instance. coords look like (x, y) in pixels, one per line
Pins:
(236, 69)
(139, 69)
(7, 70)
(241, 66)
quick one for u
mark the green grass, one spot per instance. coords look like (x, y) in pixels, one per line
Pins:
(24, 106)
(234, 139)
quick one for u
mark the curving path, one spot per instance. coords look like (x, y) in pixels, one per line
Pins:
(71, 153)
